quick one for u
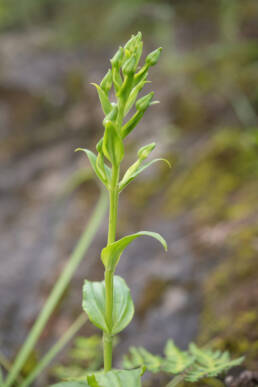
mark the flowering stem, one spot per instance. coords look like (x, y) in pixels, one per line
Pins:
(109, 273)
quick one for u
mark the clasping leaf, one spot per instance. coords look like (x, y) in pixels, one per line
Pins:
(100, 168)
(113, 147)
(105, 103)
(94, 305)
(110, 255)
(130, 175)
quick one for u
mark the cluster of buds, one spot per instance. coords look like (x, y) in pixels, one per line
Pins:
(127, 79)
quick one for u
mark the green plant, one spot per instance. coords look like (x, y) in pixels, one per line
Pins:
(108, 304)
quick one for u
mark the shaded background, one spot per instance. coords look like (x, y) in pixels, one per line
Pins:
(205, 288)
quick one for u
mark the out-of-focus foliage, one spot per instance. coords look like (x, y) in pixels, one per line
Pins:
(86, 353)
(86, 20)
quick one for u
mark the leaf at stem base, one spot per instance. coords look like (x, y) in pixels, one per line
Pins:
(94, 305)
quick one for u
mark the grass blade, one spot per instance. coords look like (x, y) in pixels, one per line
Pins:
(44, 362)
(59, 288)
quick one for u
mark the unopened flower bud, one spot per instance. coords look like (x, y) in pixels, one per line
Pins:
(129, 66)
(106, 82)
(153, 57)
(117, 58)
(132, 42)
(143, 103)
(144, 151)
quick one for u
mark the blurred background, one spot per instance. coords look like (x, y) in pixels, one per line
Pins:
(205, 288)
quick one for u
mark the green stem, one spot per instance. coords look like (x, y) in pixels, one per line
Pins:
(58, 289)
(109, 274)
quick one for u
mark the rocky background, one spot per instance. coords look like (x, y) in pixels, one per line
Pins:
(205, 288)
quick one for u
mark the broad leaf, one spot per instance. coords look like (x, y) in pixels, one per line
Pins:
(176, 361)
(116, 378)
(209, 364)
(105, 103)
(94, 305)
(71, 384)
(110, 255)
(127, 179)
(113, 147)
(102, 171)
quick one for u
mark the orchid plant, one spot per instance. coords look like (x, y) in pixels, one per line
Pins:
(109, 304)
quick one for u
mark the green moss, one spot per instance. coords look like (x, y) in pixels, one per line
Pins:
(219, 181)
(230, 315)
(220, 188)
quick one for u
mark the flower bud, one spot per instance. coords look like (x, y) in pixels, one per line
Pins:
(132, 43)
(144, 151)
(106, 82)
(117, 58)
(143, 103)
(153, 57)
(129, 66)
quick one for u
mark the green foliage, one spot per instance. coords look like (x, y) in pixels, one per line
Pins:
(116, 378)
(94, 298)
(176, 361)
(209, 363)
(100, 168)
(86, 352)
(140, 357)
(135, 170)
(194, 364)
(71, 384)
(110, 255)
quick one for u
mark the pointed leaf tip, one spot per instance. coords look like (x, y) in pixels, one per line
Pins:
(110, 255)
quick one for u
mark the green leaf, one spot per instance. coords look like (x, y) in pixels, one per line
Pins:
(134, 93)
(131, 124)
(94, 305)
(71, 384)
(176, 360)
(116, 378)
(140, 357)
(105, 103)
(113, 147)
(106, 83)
(130, 177)
(100, 168)
(110, 255)
(93, 381)
(209, 364)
